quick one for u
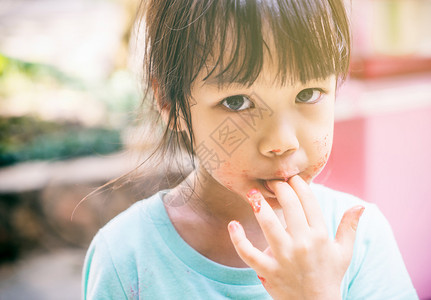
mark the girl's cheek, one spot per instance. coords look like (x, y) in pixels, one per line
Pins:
(314, 169)
(227, 170)
(323, 144)
(231, 175)
(323, 148)
(225, 175)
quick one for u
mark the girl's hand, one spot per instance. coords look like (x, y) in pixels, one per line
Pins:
(301, 261)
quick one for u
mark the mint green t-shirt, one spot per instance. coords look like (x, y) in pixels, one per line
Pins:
(139, 255)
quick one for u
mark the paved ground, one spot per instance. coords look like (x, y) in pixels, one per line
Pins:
(44, 276)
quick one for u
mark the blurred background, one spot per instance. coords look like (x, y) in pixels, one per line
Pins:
(69, 105)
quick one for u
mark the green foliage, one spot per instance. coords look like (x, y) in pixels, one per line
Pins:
(24, 138)
(27, 138)
(119, 94)
(34, 71)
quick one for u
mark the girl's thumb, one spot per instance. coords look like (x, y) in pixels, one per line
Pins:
(346, 231)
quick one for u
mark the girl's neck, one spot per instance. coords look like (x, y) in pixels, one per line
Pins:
(212, 201)
(201, 212)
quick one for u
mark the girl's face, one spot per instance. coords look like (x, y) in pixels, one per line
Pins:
(247, 135)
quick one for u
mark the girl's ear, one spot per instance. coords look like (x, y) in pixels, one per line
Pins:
(164, 108)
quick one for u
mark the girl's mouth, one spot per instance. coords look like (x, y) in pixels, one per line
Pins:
(265, 184)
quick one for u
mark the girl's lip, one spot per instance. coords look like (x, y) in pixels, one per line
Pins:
(265, 184)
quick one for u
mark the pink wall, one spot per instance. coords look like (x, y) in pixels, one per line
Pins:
(386, 159)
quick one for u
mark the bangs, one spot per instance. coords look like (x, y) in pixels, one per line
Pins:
(231, 41)
(304, 40)
(228, 41)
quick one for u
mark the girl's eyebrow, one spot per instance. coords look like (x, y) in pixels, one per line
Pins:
(213, 81)
(228, 82)
(221, 81)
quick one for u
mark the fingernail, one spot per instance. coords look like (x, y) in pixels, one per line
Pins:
(233, 225)
(254, 198)
(358, 210)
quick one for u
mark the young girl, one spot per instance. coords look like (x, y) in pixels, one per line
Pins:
(247, 87)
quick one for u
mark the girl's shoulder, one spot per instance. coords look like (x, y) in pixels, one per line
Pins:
(375, 251)
(335, 203)
(328, 196)
(135, 227)
(137, 214)
(123, 249)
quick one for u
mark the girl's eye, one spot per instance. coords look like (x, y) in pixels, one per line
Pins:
(311, 95)
(237, 103)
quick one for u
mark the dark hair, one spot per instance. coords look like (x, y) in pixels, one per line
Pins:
(311, 39)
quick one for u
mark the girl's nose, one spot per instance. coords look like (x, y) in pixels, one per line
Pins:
(279, 138)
